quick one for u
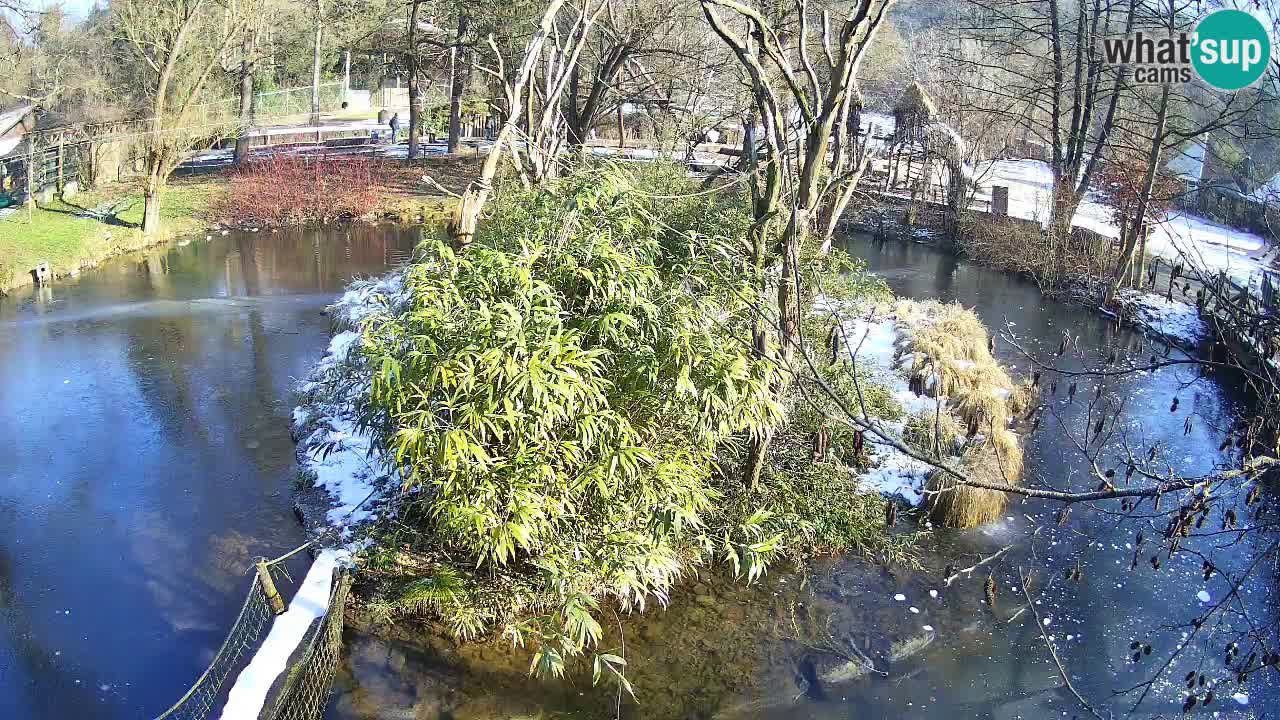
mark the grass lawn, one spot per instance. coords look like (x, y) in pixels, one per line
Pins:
(59, 234)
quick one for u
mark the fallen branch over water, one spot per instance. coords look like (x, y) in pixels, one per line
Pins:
(946, 582)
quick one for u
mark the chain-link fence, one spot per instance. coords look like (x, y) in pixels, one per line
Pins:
(305, 691)
(297, 101)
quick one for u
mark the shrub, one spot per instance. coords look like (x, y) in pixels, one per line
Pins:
(951, 356)
(1020, 246)
(286, 189)
(556, 397)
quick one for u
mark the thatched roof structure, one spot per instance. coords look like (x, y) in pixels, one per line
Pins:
(913, 112)
(915, 102)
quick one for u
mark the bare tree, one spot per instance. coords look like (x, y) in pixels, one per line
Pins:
(260, 16)
(628, 34)
(786, 81)
(180, 43)
(462, 226)
(1045, 60)
(28, 72)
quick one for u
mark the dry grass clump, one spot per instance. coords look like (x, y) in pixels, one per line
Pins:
(1019, 245)
(940, 432)
(945, 350)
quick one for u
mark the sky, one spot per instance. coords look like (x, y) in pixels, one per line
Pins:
(74, 8)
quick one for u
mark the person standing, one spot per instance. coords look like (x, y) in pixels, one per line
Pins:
(395, 127)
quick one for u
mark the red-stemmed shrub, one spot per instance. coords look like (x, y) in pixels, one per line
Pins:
(285, 189)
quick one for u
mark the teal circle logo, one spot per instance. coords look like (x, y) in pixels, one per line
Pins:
(1232, 49)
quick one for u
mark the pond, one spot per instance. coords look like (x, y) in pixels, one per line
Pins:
(937, 650)
(145, 458)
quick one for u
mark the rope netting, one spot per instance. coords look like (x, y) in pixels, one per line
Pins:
(305, 692)
(246, 633)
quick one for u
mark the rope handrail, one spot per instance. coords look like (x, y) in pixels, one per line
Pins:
(247, 612)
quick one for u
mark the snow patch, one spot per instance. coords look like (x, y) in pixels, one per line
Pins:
(1202, 243)
(342, 457)
(1172, 319)
(310, 604)
(874, 345)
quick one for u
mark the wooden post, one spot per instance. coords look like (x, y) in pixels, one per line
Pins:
(622, 128)
(61, 154)
(269, 588)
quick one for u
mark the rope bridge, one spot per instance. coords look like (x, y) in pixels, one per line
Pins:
(305, 691)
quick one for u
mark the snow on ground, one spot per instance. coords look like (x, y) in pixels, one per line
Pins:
(1205, 244)
(1209, 246)
(339, 454)
(874, 344)
(1175, 321)
(309, 604)
(344, 462)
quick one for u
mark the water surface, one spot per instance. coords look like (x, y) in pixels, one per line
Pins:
(145, 458)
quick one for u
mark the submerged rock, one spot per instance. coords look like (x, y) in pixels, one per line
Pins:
(909, 647)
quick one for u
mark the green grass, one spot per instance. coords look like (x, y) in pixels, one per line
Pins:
(55, 234)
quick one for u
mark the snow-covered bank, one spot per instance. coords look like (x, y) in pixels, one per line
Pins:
(332, 450)
(873, 345)
(945, 393)
(343, 463)
(1174, 321)
(1203, 243)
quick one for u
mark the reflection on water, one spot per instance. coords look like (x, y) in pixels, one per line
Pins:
(146, 459)
(731, 652)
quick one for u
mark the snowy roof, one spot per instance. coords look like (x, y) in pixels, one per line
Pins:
(12, 117)
(1188, 162)
(8, 145)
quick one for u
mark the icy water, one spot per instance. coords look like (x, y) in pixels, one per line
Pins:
(145, 459)
(724, 651)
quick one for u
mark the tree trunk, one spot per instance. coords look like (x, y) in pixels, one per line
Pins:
(581, 120)
(415, 101)
(315, 64)
(622, 126)
(1139, 224)
(246, 98)
(458, 84)
(764, 209)
(152, 193)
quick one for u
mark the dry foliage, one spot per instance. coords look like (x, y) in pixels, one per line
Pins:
(292, 189)
(949, 355)
(1019, 246)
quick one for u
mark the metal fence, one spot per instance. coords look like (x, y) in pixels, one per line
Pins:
(43, 166)
(305, 691)
(297, 101)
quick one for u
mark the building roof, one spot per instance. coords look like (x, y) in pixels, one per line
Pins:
(11, 117)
